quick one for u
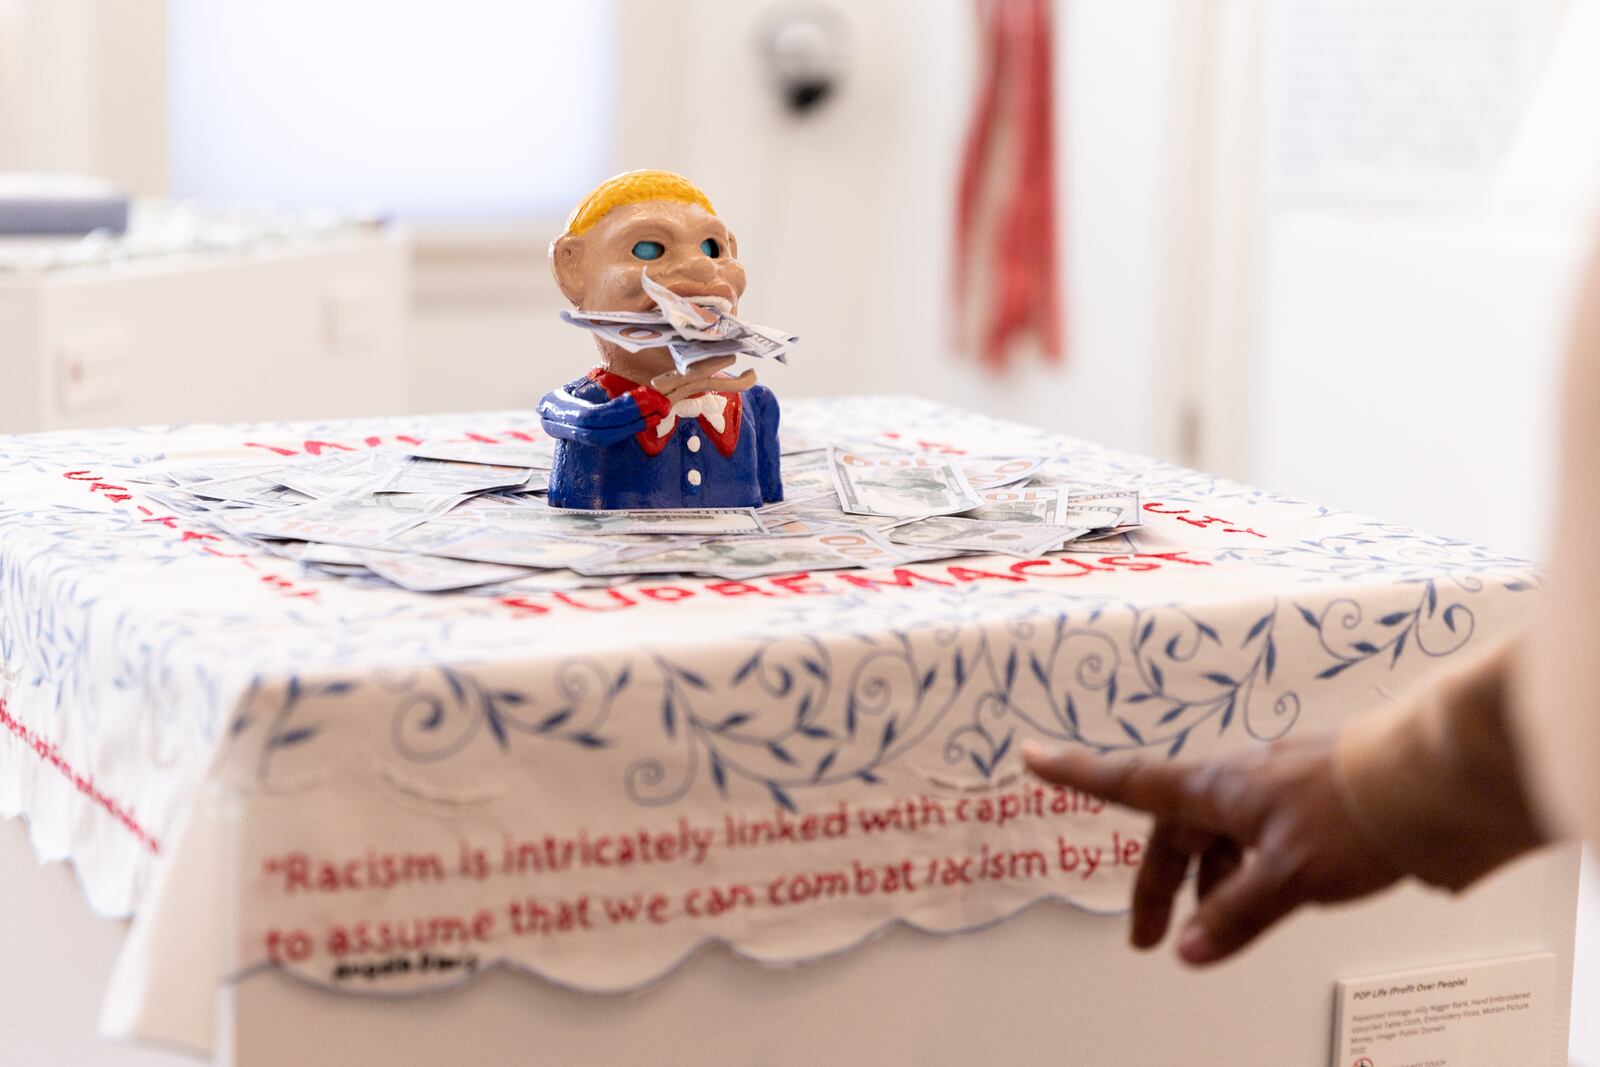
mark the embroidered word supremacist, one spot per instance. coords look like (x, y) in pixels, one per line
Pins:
(835, 582)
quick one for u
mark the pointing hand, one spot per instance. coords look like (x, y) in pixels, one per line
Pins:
(1268, 827)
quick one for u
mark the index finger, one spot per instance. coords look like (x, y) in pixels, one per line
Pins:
(1192, 794)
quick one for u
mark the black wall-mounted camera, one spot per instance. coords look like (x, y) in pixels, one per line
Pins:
(804, 46)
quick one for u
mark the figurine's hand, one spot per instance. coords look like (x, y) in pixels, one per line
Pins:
(701, 378)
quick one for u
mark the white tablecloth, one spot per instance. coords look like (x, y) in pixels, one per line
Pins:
(383, 791)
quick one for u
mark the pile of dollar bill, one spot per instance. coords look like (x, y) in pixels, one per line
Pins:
(473, 517)
(690, 331)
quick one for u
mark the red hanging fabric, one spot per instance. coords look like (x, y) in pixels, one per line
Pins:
(1006, 284)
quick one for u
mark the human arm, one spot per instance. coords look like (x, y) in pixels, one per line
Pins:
(1267, 829)
(1430, 789)
(1556, 686)
(1436, 783)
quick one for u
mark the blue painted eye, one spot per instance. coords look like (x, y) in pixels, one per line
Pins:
(710, 247)
(649, 250)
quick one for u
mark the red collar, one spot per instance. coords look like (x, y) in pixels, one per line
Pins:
(725, 440)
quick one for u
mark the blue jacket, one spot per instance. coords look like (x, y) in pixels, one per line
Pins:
(609, 455)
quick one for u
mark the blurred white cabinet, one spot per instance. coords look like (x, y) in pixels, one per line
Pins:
(296, 330)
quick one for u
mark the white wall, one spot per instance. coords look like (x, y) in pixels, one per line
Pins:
(845, 218)
(1410, 351)
(1408, 370)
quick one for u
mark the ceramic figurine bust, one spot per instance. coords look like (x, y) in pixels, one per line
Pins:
(641, 429)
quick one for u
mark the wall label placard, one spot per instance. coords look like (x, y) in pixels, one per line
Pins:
(1483, 1014)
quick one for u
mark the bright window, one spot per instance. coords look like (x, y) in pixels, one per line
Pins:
(471, 111)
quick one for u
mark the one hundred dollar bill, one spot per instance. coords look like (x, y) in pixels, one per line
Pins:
(421, 475)
(760, 342)
(976, 535)
(652, 317)
(367, 520)
(341, 473)
(533, 512)
(265, 488)
(312, 552)
(489, 542)
(1100, 494)
(631, 336)
(691, 319)
(820, 514)
(1101, 516)
(1103, 543)
(186, 473)
(902, 484)
(433, 574)
(537, 454)
(181, 503)
(691, 328)
(1023, 504)
(807, 474)
(537, 484)
(750, 557)
(992, 472)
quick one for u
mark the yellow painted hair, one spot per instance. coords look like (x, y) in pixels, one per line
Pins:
(634, 187)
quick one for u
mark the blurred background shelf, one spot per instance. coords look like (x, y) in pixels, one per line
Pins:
(192, 316)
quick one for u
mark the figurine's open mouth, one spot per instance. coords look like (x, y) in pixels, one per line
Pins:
(721, 303)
